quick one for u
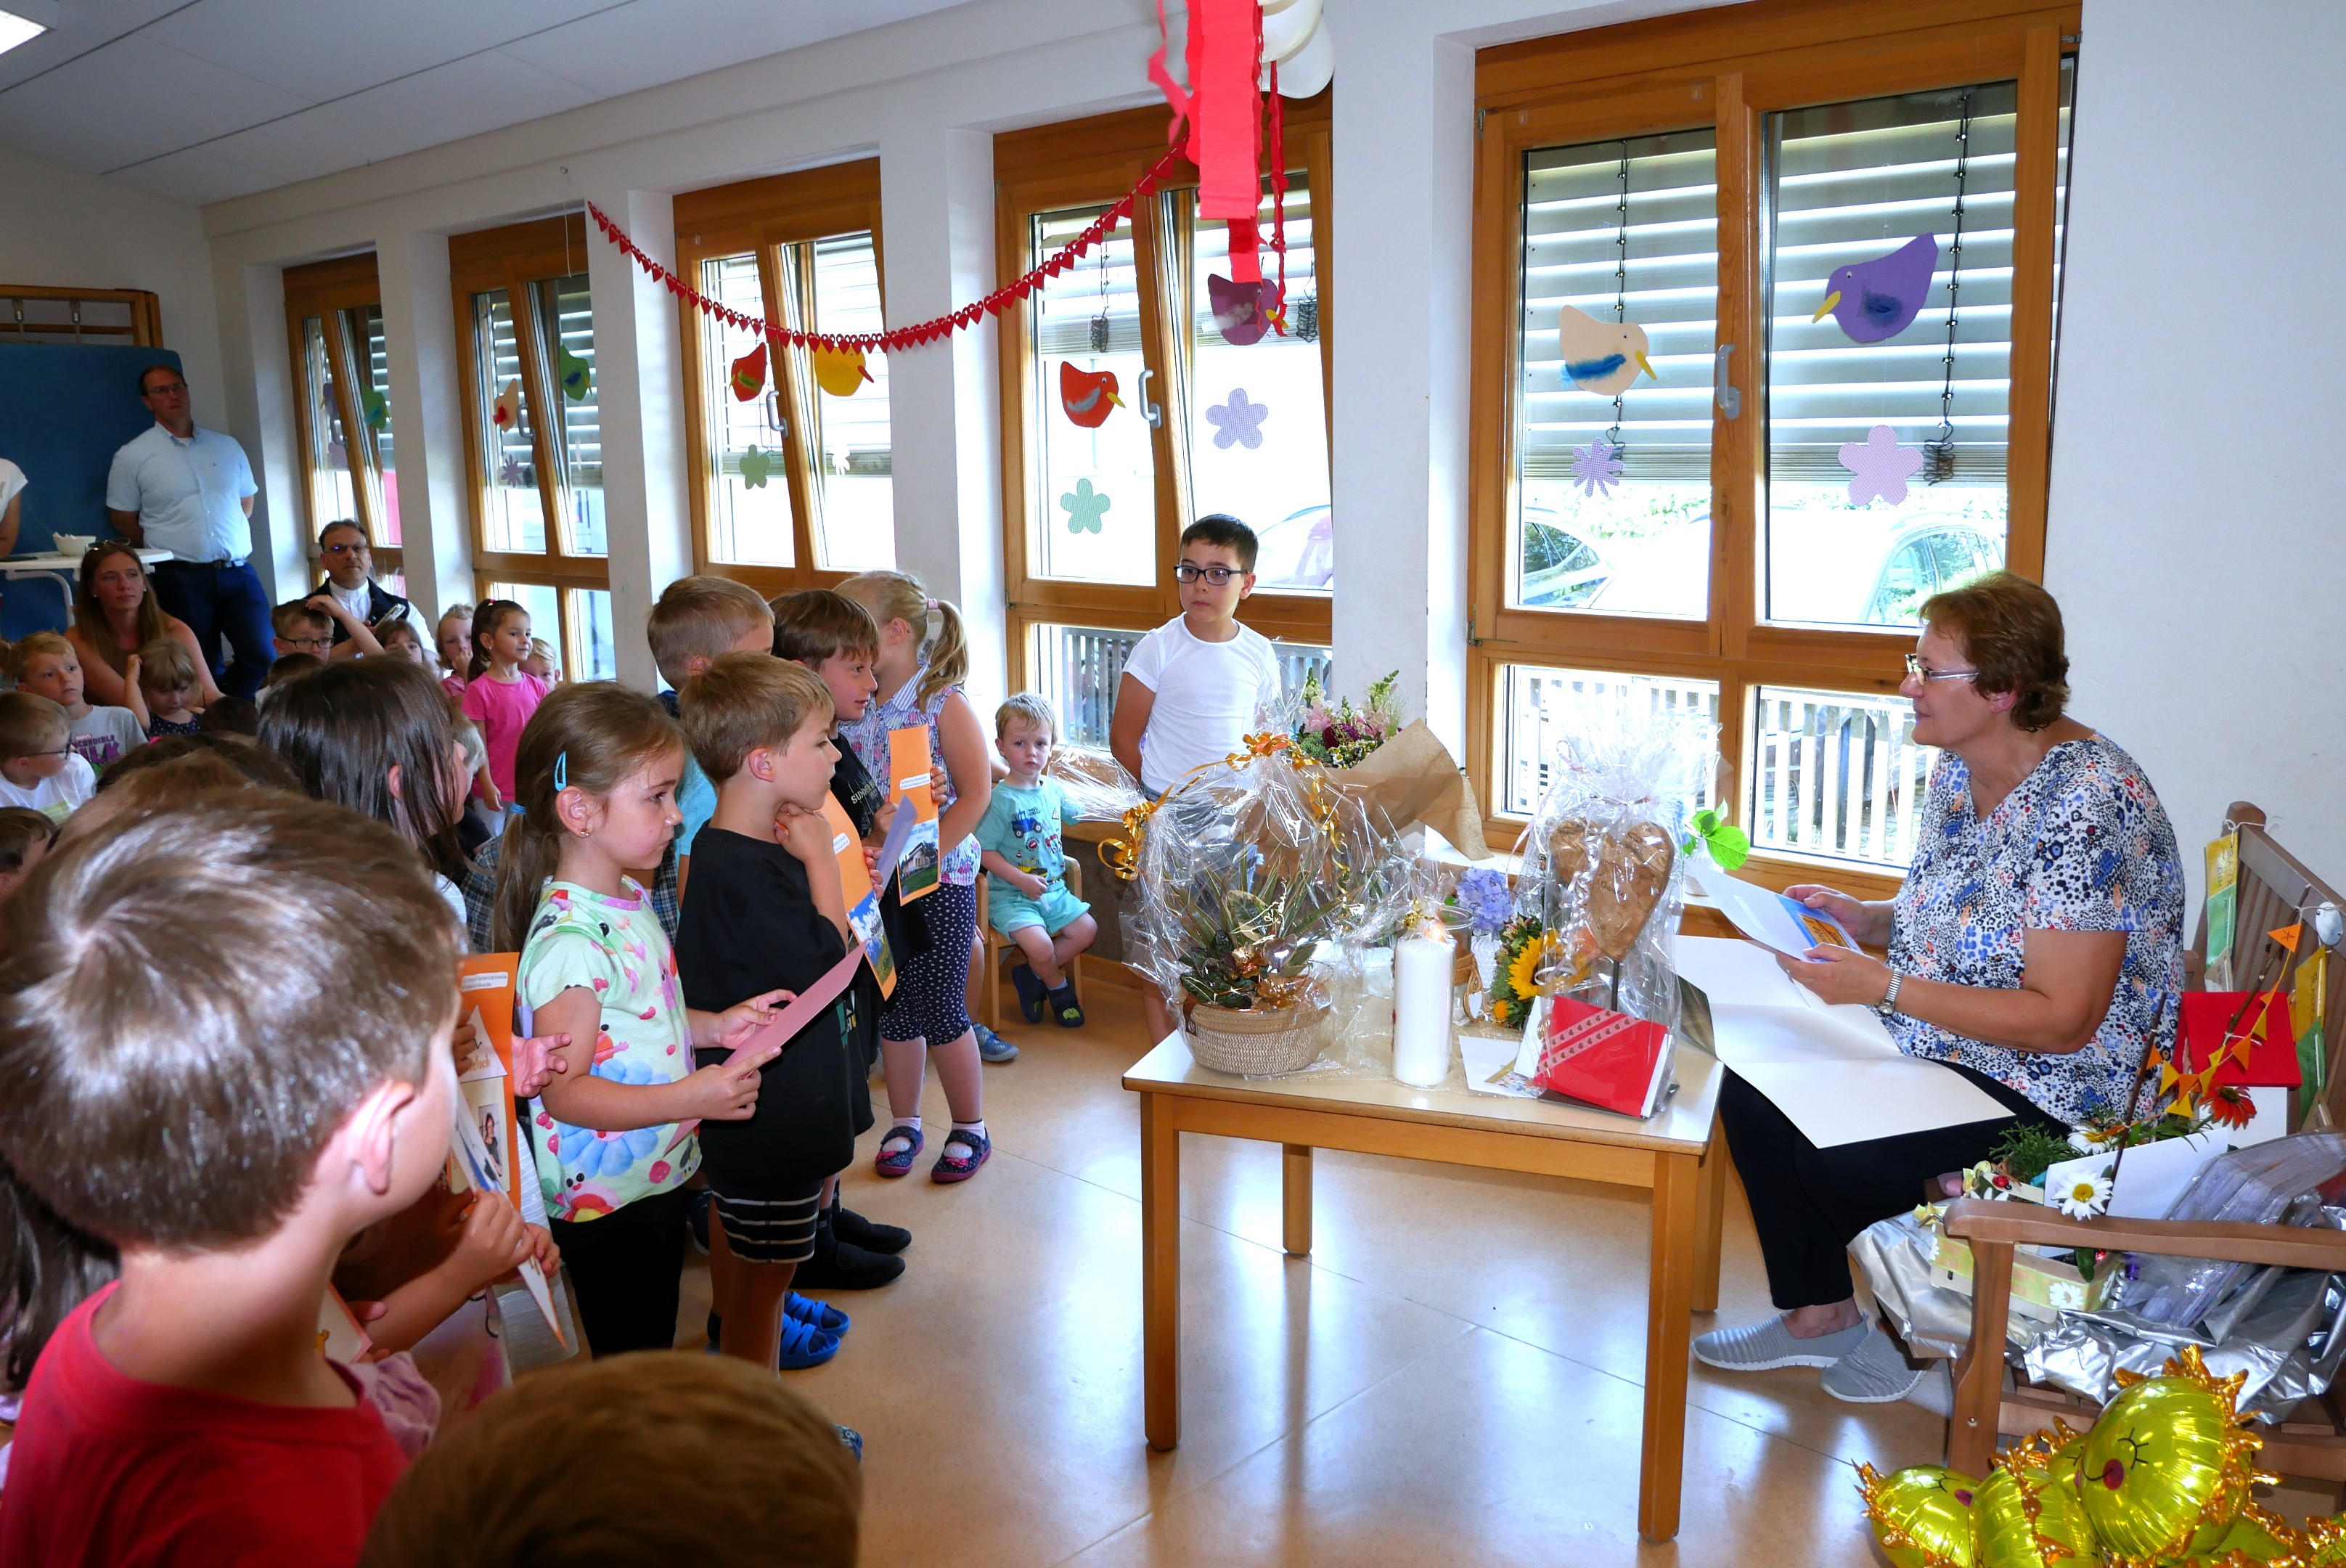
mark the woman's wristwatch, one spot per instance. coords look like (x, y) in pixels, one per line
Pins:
(1888, 1002)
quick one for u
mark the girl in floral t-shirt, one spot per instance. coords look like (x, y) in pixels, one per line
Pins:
(596, 772)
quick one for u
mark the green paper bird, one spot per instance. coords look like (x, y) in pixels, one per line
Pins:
(578, 377)
(376, 408)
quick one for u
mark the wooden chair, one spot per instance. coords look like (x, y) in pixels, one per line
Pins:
(2275, 889)
(998, 945)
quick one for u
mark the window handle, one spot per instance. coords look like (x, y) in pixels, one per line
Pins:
(1153, 412)
(1730, 401)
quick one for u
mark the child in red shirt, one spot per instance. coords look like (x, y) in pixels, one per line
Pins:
(224, 1050)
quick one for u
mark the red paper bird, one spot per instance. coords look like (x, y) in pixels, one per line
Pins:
(1087, 395)
(749, 374)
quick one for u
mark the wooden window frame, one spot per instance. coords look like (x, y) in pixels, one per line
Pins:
(1729, 68)
(759, 216)
(325, 289)
(512, 259)
(1089, 162)
(142, 308)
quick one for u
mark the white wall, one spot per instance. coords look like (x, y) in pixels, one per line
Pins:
(2196, 540)
(2203, 180)
(65, 228)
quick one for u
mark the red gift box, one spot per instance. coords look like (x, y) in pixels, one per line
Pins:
(1609, 1059)
(2273, 1043)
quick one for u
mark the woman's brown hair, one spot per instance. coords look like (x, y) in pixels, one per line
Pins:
(346, 728)
(898, 596)
(90, 616)
(590, 736)
(2010, 629)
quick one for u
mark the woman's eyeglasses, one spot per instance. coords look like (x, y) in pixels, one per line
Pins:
(1917, 670)
(1219, 577)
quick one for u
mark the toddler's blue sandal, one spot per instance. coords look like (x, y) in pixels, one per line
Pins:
(803, 1346)
(1031, 992)
(821, 1314)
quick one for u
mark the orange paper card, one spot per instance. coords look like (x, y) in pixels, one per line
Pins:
(908, 785)
(862, 899)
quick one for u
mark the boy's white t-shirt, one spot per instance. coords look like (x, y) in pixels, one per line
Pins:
(1207, 696)
(105, 736)
(56, 797)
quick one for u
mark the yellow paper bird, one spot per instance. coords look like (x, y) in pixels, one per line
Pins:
(1600, 356)
(840, 372)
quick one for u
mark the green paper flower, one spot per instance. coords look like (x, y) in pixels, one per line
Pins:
(1730, 845)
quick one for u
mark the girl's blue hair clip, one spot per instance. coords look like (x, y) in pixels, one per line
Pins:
(561, 772)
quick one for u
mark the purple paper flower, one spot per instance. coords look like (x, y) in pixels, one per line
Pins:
(1487, 900)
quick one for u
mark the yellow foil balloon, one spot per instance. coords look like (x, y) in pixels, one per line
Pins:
(2255, 1537)
(2028, 1517)
(1922, 1515)
(2166, 1468)
(2325, 1541)
(840, 372)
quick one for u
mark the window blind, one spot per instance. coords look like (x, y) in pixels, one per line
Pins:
(1656, 264)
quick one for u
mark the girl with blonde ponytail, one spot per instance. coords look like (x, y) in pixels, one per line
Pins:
(923, 659)
(594, 779)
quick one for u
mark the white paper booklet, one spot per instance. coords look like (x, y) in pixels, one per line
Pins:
(1833, 1070)
(1767, 916)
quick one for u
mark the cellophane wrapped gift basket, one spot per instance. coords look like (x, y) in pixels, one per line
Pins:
(1260, 882)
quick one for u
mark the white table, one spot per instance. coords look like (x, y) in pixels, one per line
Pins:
(62, 570)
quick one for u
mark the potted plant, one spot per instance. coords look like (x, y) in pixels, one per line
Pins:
(1246, 952)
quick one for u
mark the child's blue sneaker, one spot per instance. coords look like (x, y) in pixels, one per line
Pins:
(854, 1441)
(1031, 992)
(821, 1314)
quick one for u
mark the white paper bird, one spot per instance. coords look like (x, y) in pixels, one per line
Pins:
(1600, 356)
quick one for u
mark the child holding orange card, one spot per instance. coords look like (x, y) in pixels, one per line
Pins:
(769, 904)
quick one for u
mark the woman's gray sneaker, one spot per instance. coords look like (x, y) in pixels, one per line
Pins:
(1764, 1347)
(1876, 1373)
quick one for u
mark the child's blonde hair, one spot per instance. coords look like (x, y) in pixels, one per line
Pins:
(37, 645)
(30, 723)
(700, 618)
(164, 666)
(593, 737)
(768, 1478)
(1028, 708)
(899, 596)
(743, 701)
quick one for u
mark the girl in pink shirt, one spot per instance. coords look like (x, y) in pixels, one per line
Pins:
(498, 696)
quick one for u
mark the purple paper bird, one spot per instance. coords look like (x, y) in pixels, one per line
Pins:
(1878, 298)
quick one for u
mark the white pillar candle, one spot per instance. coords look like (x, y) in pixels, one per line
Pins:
(1424, 969)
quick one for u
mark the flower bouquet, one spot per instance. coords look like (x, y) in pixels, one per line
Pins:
(1400, 769)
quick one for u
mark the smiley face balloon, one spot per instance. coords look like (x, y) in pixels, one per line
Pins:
(2256, 1536)
(2166, 1468)
(1922, 1515)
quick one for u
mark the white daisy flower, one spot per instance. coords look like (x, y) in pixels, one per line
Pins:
(2084, 1196)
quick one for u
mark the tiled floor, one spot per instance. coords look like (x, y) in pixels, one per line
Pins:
(1454, 1376)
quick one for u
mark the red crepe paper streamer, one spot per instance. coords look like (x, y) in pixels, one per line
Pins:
(897, 338)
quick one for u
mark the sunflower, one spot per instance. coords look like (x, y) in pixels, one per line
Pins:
(1523, 975)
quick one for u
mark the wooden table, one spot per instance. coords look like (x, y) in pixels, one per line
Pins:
(62, 570)
(1673, 1155)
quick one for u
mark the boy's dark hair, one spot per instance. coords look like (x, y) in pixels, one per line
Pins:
(21, 827)
(743, 701)
(817, 623)
(700, 618)
(294, 613)
(288, 665)
(230, 716)
(1221, 528)
(192, 1003)
(30, 723)
(771, 1481)
(490, 615)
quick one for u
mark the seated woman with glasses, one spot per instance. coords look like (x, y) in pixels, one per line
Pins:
(2036, 948)
(116, 615)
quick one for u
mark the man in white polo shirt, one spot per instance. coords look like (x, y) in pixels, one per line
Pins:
(190, 491)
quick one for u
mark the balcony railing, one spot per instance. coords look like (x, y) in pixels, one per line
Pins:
(1837, 775)
(1080, 668)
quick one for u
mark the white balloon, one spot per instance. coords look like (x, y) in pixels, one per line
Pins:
(1287, 30)
(1311, 67)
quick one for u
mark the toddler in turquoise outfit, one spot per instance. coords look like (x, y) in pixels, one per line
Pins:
(1018, 840)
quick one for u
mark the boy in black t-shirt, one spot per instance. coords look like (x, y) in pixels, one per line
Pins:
(764, 908)
(835, 636)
